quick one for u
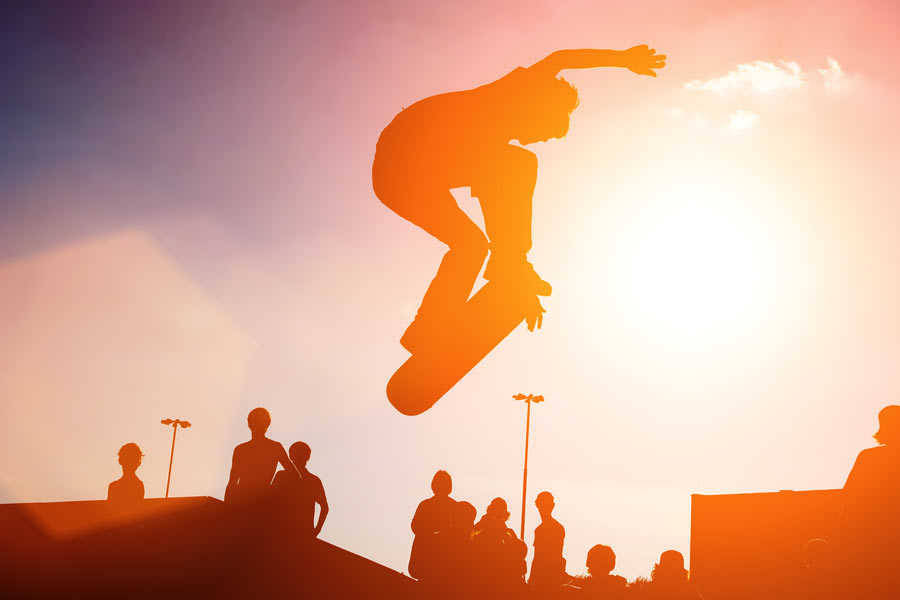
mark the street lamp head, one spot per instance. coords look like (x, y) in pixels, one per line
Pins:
(166, 421)
(528, 398)
(184, 423)
(537, 399)
(519, 397)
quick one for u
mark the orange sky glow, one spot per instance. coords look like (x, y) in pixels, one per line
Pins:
(203, 239)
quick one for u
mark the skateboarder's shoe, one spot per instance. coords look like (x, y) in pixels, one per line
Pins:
(520, 274)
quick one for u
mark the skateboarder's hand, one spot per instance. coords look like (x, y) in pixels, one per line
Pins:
(642, 60)
(534, 313)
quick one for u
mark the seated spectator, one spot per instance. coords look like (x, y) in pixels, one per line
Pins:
(600, 582)
(433, 516)
(669, 579)
(128, 489)
(302, 494)
(500, 555)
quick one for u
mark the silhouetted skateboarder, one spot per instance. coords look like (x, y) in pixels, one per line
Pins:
(463, 139)
(253, 463)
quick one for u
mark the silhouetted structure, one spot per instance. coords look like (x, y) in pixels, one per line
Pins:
(128, 488)
(253, 463)
(299, 496)
(750, 546)
(176, 548)
(461, 139)
(433, 518)
(548, 567)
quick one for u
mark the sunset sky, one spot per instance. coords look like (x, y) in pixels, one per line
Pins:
(188, 230)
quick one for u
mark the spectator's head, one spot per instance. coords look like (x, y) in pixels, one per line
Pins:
(259, 420)
(299, 453)
(441, 484)
(670, 568)
(497, 509)
(130, 457)
(545, 504)
(601, 560)
(464, 515)
(888, 425)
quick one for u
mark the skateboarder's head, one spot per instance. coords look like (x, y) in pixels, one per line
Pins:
(130, 457)
(545, 504)
(601, 560)
(441, 484)
(544, 110)
(299, 453)
(888, 425)
(259, 420)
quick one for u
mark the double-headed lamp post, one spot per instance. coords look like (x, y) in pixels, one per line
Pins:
(174, 423)
(528, 400)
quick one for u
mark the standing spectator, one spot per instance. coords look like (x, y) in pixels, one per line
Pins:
(253, 463)
(302, 494)
(548, 567)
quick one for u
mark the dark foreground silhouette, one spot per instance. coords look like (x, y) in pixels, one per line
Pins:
(463, 139)
(253, 463)
(128, 488)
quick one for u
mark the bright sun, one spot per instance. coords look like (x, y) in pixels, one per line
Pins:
(699, 260)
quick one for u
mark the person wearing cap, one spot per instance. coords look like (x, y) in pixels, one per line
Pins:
(128, 488)
(870, 526)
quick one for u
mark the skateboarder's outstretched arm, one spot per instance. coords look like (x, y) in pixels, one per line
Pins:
(639, 59)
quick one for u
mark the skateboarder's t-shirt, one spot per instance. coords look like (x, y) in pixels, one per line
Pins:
(300, 496)
(456, 120)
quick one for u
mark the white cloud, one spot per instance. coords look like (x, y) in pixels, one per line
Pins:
(756, 77)
(762, 77)
(741, 120)
(834, 77)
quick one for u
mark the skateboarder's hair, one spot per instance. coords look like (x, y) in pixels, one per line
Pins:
(259, 418)
(552, 100)
(441, 483)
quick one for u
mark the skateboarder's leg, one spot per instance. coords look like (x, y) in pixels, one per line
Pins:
(505, 192)
(438, 214)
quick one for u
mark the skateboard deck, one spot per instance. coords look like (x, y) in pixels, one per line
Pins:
(487, 318)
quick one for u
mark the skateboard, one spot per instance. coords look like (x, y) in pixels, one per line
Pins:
(487, 318)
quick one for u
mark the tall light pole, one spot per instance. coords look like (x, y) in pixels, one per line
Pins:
(528, 400)
(174, 423)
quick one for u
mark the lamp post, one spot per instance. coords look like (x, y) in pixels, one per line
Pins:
(174, 423)
(528, 400)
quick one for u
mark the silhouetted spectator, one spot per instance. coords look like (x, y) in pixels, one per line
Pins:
(253, 463)
(669, 579)
(548, 567)
(128, 488)
(302, 495)
(433, 516)
(600, 582)
(500, 555)
(871, 511)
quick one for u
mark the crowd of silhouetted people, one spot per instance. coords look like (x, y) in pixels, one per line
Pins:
(253, 477)
(455, 555)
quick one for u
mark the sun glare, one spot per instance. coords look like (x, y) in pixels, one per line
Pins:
(699, 262)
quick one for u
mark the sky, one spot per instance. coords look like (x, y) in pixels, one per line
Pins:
(188, 230)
